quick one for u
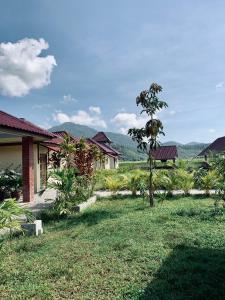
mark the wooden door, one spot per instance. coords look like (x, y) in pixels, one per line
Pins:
(43, 171)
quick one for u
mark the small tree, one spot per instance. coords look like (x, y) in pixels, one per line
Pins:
(147, 137)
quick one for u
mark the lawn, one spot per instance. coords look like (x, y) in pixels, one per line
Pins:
(121, 249)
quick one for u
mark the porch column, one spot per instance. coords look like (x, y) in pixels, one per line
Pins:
(28, 169)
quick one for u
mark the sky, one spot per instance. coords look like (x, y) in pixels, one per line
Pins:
(85, 61)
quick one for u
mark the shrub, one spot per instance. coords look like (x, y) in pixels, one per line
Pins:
(185, 181)
(71, 188)
(10, 184)
(137, 181)
(209, 181)
(10, 210)
(117, 183)
(197, 176)
(165, 180)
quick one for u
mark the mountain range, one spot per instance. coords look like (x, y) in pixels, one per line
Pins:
(124, 143)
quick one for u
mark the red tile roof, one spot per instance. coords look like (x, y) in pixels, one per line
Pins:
(217, 146)
(101, 137)
(11, 122)
(105, 148)
(165, 153)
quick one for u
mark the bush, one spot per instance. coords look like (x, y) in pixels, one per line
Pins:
(10, 184)
(209, 181)
(72, 189)
(165, 180)
(185, 181)
(137, 181)
(10, 210)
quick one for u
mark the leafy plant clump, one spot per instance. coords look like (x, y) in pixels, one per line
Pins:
(10, 210)
(10, 184)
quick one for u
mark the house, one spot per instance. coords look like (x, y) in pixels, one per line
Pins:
(165, 153)
(111, 155)
(21, 149)
(26, 148)
(100, 140)
(218, 146)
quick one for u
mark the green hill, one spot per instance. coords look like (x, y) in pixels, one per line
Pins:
(124, 143)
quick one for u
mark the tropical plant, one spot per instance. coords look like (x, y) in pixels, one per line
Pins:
(218, 164)
(10, 210)
(10, 184)
(147, 137)
(185, 181)
(117, 183)
(197, 176)
(209, 181)
(137, 181)
(86, 156)
(71, 189)
(166, 181)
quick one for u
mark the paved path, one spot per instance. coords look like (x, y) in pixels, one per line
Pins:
(178, 192)
(41, 201)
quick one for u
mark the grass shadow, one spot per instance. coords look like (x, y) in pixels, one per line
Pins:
(88, 218)
(119, 197)
(189, 274)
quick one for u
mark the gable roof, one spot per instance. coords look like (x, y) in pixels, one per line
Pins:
(165, 153)
(11, 122)
(101, 137)
(217, 146)
(105, 148)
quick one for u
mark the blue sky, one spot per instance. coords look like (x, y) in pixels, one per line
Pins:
(102, 53)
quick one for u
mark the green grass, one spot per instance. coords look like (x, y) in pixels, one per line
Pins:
(121, 249)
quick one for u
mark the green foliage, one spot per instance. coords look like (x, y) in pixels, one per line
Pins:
(118, 183)
(10, 184)
(71, 189)
(184, 180)
(165, 180)
(218, 164)
(10, 210)
(209, 181)
(137, 182)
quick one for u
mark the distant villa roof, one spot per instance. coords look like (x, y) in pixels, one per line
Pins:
(105, 148)
(217, 146)
(20, 124)
(101, 137)
(165, 153)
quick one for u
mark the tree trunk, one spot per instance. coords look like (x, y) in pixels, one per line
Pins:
(151, 191)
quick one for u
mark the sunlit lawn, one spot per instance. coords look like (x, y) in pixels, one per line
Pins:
(121, 249)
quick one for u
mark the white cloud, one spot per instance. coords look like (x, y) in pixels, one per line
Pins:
(68, 99)
(22, 68)
(125, 120)
(220, 85)
(95, 109)
(61, 117)
(82, 117)
(212, 130)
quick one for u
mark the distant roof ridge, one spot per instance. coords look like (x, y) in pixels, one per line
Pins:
(165, 152)
(101, 137)
(218, 145)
